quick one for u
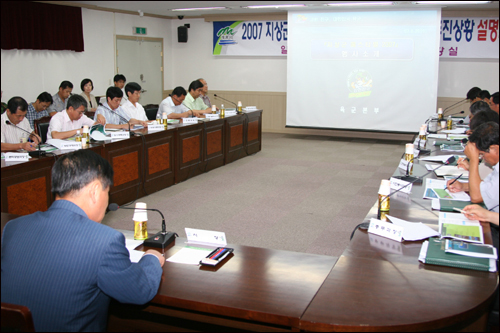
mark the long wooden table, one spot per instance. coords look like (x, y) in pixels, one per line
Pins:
(143, 164)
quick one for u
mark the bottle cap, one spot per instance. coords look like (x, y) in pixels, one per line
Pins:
(214, 108)
(85, 129)
(385, 187)
(139, 214)
(409, 148)
(164, 115)
(239, 103)
(440, 111)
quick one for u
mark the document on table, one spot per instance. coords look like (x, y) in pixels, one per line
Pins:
(131, 244)
(439, 158)
(190, 255)
(435, 189)
(414, 231)
(457, 226)
(454, 131)
(447, 170)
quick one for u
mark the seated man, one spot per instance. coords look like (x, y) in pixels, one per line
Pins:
(18, 127)
(483, 142)
(204, 93)
(119, 81)
(494, 102)
(193, 100)
(113, 113)
(132, 107)
(63, 264)
(65, 124)
(38, 109)
(473, 95)
(173, 107)
(60, 99)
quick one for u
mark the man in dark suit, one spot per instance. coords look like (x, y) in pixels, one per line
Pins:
(63, 264)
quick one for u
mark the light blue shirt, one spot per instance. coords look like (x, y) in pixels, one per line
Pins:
(112, 116)
(489, 189)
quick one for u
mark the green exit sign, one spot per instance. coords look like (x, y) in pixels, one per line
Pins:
(140, 31)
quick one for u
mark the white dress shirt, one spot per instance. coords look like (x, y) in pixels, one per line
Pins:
(134, 111)
(168, 106)
(61, 123)
(11, 134)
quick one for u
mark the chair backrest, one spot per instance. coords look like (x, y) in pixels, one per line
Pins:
(90, 114)
(151, 113)
(16, 318)
(42, 127)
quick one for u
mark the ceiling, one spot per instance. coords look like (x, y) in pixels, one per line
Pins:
(164, 8)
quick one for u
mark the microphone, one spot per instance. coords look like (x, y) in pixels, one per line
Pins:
(449, 107)
(162, 238)
(453, 114)
(39, 152)
(226, 100)
(448, 161)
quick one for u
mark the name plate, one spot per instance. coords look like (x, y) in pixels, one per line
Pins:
(420, 143)
(16, 157)
(156, 127)
(404, 165)
(230, 113)
(397, 184)
(71, 145)
(212, 116)
(386, 229)
(206, 237)
(120, 135)
(190, 120)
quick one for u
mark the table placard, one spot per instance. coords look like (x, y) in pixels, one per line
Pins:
(419, 143)
(190, 120)
(70, 145)
(206, 237)
(386, 229)
(156, 128)
(120, 135)
(16, 157)
(397, 184)
(212, 116)
(403, 165)
(230, 113)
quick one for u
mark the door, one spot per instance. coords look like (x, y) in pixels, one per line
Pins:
(140, 59)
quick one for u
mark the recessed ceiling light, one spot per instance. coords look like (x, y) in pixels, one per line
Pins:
(340, 4)
(201, 8)
(274, 6)
(450, 2)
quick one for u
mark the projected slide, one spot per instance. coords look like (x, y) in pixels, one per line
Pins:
(373, 71)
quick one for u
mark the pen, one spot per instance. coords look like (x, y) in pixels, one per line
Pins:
(453, 182)
(216, 253)
(220, 254)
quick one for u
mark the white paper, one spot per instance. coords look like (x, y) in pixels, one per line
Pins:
(438, 158)
(135, 256)
(190, 255)
(441, 184)
(414, 231)
(437, 136)
(451, 170)
(454, 131)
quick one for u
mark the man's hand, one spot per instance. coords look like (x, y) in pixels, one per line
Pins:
(463, 163)
(36, 139)
(476, 212)
(160, 257)
(472, 152)
(29, 146)
(457, 186)
(100, 119)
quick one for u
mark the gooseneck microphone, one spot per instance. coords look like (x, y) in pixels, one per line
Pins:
(162, 238)
(449, 107)
(39, 152)
(448, 161)
(226, 100)
(123, 118)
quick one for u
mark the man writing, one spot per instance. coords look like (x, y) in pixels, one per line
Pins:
(193, 102)
(173, 107)
(60, 99)
(484, 141)
(132, 107)
(113, 113)
(15, 127)
(63, 264)
(65, 124)
(38, 109)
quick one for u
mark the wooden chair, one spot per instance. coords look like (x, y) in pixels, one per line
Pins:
(90, 114)
(42, 127)
(16, 318)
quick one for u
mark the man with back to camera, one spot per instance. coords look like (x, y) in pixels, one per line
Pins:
(60, 99)
(38, 109)
(494, 102)
(65, 124)
(119, 81)
(132, 107)
(63, 264)
(173, 107)
(19, 127)
(193, 100)
(483, 142)
(113, 112)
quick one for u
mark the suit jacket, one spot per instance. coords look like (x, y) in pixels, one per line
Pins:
(65, 267)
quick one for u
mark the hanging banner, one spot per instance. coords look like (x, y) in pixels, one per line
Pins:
(250, 38)
(472, 37)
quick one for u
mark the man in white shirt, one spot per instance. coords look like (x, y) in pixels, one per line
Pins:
(65, 124)
(119, 81)
(173, 106)
(18, 127)
(132, 107)
(113, 112)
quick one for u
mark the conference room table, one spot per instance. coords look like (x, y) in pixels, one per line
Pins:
(143, 164)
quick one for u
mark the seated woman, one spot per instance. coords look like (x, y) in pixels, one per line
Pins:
(87, 86)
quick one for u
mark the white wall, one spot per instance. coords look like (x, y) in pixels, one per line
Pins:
(28, 73)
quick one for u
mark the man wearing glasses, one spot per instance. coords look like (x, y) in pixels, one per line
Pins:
(173, 106)
(65, 124)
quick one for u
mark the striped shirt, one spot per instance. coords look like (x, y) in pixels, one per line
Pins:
(10, 134)
(33, 115)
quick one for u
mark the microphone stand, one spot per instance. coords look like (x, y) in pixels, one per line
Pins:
(123, 118)
(215, 95)
(38, 153)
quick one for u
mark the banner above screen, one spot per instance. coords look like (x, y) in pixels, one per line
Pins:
(250, 38)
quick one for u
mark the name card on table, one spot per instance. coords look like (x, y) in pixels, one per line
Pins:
(230, 113)
(16, 157)
(70, 145)
(156, 128)
(206, 237)
(386, 229)
(212, 116)
(403, 165)
(190, 120)
(120, 135)
(419, 144)
(397, 184)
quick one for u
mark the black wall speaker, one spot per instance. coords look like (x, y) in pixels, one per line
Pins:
(182, 34)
